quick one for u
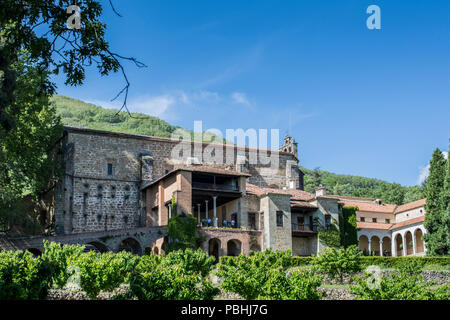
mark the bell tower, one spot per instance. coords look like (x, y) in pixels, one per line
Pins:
(290, 146)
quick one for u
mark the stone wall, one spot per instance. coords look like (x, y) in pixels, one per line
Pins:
(92, 199)
(277, 237)
(304, 246)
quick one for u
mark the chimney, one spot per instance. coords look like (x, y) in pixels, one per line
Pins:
(321, 191)
(379, 202)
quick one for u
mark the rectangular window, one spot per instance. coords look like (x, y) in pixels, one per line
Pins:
(252, 220)
(110, 169)
(362, 219)
(301, 223)
(279, 218)
(388, 220)
(327, 222)
(374, 220)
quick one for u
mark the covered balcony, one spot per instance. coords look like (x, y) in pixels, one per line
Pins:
(215, 197)
(302, 219)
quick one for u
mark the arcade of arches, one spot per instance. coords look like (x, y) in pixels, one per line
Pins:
(407, 243)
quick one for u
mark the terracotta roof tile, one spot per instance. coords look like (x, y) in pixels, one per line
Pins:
(370, 206)
(411, 206)
(302, 204)
(207, 169)
(348, 198)
(408, 222)
(295, 194)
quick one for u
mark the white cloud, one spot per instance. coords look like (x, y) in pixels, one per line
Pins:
(239, 97)
(425, 171)
(155, 106)
(152, 105)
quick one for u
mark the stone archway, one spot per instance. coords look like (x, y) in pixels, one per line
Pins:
(418, 234)
(387, 247)
(234, 248)
(214, 248)
(363, 244)
(375, 246)
(164, 245)
(100, 247)
(130, 245)
(36, 252)
(409, 244)
(398, 245)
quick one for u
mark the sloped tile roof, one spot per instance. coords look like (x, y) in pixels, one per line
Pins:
(411, 206)
(370, 206)
(302, 204)
(299, 195)
(408, 222)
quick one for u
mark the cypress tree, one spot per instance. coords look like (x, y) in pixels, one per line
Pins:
(435, 238)
(446, 205)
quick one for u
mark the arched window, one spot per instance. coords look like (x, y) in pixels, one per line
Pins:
(234, 248)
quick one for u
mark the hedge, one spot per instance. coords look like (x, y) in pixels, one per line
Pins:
(388, 262)
(392, 262)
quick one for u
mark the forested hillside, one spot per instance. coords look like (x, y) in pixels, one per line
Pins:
(356, 186)
(77, 113)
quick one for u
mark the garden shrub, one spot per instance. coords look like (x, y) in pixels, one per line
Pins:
(58, 257)
(23, 277)
(339, 262)
(302, 261)
(104, 271)
(173, 277)
(404, 284)
(264, 275)
(191, 261)
(292, 285)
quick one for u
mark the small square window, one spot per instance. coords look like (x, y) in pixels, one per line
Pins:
(110, 169)
(279, 218)
(388, 220)
(362, 219)
(374, 220)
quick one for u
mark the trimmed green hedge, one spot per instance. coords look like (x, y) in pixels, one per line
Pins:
(392, 262)
(388, 262)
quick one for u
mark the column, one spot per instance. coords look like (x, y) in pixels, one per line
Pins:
(414, 243)
(214, 211)
(393, 247)
(404, 244)
(206, 214)
(170, 211)
(198, 214)
(381, 247)
(369, 243)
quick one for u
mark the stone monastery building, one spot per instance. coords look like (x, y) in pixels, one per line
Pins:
(117, 189)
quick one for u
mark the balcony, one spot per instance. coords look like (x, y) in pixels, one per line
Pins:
(214, 186)
(302, 230)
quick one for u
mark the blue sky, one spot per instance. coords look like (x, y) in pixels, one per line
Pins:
(366, 102)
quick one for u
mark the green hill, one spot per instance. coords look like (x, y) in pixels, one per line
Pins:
(355, 186)
(77, 113)
(80, 114)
